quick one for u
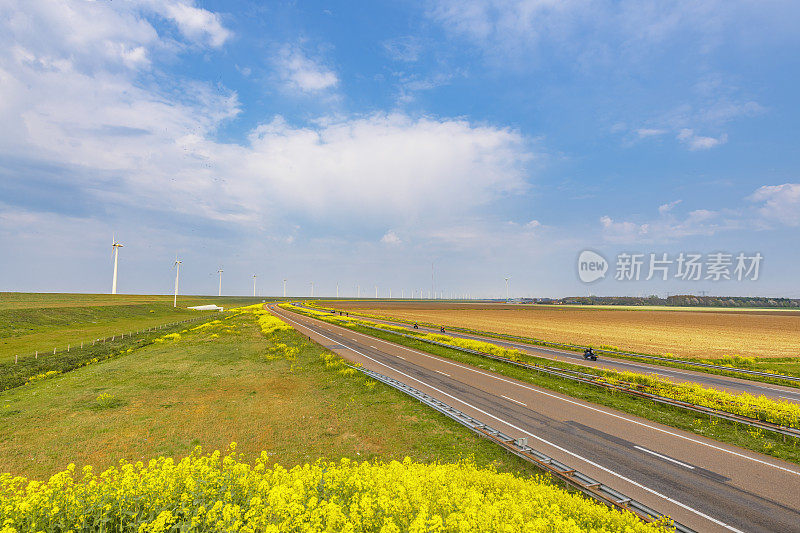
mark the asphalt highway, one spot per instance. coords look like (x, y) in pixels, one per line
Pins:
(730, 384)
(704, 484)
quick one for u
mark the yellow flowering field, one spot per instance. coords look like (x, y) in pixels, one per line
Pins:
(223, 493)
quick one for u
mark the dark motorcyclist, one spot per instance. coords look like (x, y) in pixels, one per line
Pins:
(442, 329)
(588, 353)
(416, 326)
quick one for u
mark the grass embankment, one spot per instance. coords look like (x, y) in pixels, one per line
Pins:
(683, 334)
(212, 390)
(285, 401)
(41, 322)
(760, 441)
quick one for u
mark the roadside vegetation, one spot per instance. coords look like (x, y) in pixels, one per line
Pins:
(709, 334)
(318, 446)
(788, 366)
(785, 448)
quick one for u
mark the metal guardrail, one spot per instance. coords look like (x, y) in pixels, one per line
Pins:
(534, 342)
(591, 379)
(518, 447)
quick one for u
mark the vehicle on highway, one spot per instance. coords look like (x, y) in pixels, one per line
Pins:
(589, 354)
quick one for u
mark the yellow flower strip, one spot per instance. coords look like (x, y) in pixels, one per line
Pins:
(215, 493)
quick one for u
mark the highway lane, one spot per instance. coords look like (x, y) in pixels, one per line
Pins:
(704, 484)
(730, 384)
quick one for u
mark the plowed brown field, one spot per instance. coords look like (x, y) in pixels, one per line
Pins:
(683, 333)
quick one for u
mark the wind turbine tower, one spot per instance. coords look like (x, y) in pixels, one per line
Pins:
(312, 289)
(506, 287)
(115, 246)
(284, 288)
(177, 266)
(254, 284)
(220, 281)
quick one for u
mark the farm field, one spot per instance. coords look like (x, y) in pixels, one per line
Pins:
(683, 333)
(214, 386)
(31, 322)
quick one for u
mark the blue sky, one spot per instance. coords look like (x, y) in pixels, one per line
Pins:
(360, 142)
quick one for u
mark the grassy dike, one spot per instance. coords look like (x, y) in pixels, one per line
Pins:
(220, 384)
(721, 430)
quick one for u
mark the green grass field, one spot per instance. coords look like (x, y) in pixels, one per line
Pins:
(215, 386)
(32, 322)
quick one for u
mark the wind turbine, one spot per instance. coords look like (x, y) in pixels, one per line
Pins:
(254, 284)
(177, 266)
(115, 246)
(506, 287)
(312, 289)
(220, 281)
(337, 289)
(284, 288)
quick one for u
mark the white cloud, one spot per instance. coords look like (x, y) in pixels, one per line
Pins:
(666, 208)
(780, 202)
(387, 166)
(533, 224)
(697, 142)
(390, 237)
(650, 132)
(301, 72)
(195, 23)
(622, 231)
(120, 139)
(669, 227)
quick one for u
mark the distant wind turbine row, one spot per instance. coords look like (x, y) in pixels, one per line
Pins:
(432, 294)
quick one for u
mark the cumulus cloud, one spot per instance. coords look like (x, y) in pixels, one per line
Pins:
(779, 203)
(300, 72)
(115, 138)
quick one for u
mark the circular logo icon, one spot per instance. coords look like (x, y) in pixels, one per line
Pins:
(591, 266)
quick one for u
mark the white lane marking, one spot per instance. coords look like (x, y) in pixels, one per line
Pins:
(371, 346)
(620, 417)
(445, 373)
(787, 397)
(601, 467)
(513, 400)
(670, 459)
(401, 357)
